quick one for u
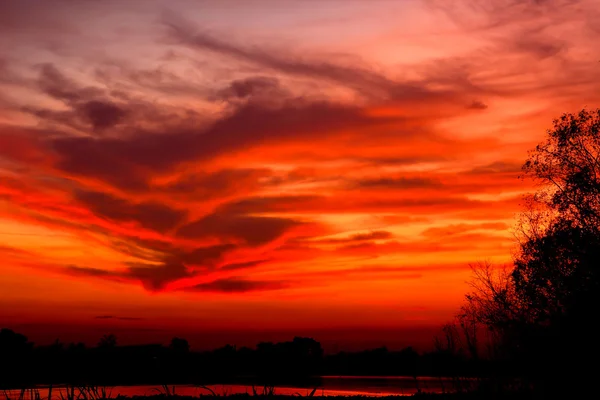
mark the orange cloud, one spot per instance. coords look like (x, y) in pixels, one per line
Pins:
(220, 175)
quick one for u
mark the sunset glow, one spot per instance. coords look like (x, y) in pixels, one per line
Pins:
(207, 168)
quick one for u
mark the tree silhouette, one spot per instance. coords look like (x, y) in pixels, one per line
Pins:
(180, 346)
(557, 264)
(108, 342)
(12, 343)
(568, 165)
(542, 311)
(15, 351)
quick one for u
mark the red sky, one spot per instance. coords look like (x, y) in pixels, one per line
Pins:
(232, 171)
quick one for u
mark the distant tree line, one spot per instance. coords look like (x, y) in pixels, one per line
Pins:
(299, 362)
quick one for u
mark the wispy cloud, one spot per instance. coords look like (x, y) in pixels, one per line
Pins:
(237, 285)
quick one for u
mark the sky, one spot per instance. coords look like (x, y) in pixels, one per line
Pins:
(237, 171)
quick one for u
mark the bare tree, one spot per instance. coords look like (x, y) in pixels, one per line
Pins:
(108, 342)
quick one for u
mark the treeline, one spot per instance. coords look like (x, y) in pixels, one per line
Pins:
(299, 362)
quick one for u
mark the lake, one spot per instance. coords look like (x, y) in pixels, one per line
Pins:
(373, 386)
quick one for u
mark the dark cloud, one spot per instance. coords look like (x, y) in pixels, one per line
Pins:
(400, 183)
(12, 250)
(206, 256)
(201, 258)
(104, 159)
(254, 231)
(106, 107)
(225, 182)
(242, 265)
(372, 235)
(359, 237)
(155, 216)
(260, 204)
(237, 285)
(64, 118)
(173, 265)
(95, 272)
(127, 162)
(101, 114)
(406, 160)
(251, 87)
(142, 249)
(497, 167)
(118, 318)
(477, 105)
(55, 84)
(155, 278)
(538, 46)
(159, 79)
(375, 250)
(87, 106)
(461, 229)
(293, 121)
